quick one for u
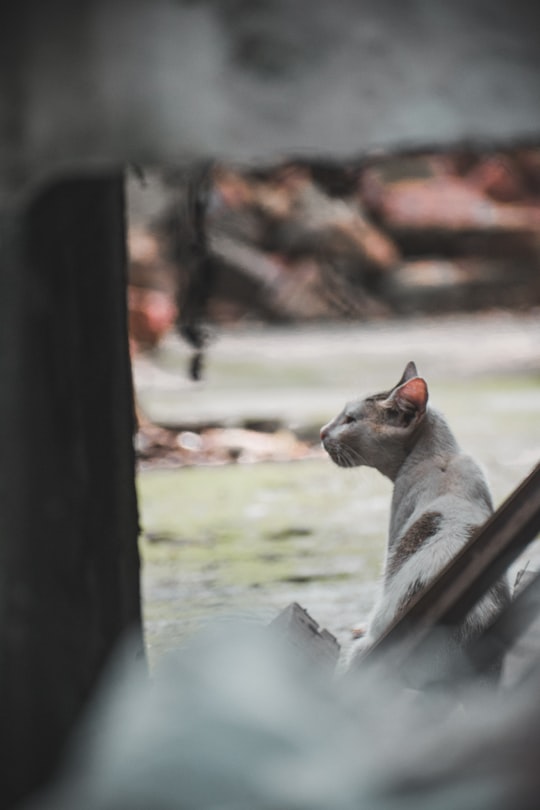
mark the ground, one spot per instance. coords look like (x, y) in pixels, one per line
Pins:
(247, 539)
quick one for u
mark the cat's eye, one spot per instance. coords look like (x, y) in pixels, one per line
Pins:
(348, 419)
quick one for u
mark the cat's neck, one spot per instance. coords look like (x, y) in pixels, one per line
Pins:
(431, 443)
(433, 448)
(434, 444)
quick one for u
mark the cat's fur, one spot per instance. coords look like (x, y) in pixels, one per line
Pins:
(440, 495)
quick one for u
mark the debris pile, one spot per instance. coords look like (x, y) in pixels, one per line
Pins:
(300, 241)
(156, 446)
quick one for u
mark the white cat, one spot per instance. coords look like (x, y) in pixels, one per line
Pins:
(440, 495)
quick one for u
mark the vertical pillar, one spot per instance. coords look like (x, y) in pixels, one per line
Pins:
(69, 565)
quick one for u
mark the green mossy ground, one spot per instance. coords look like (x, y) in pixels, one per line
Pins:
(246, 538)
(249, 539)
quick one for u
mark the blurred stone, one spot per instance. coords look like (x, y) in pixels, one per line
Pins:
(308, 255)
(441, 203)
(151, 305)
(218, 445)
(529, 162)
(445, 203)
(148, 266)
(249, 445)
(152, 313)
(499, 177)
(466, 284)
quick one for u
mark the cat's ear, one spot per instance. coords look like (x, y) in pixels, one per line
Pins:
(408, 374)
(411, 397)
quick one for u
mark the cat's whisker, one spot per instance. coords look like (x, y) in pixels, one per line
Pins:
(346, 460)
(342, 456)
(349, 457)
(355, 459)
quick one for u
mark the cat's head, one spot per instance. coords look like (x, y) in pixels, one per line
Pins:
(379, 430)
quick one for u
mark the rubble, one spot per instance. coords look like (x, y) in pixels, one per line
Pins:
(301, 242)
(156, 446)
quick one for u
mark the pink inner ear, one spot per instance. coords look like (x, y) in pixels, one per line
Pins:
(414, 392)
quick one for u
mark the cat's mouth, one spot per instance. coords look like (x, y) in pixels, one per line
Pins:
(342, 456)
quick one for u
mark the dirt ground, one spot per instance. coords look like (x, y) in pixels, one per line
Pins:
(247, 539)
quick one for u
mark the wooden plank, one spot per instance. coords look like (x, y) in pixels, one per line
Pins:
(509, 627)
(302, 631)
(515, 634)
(447, 600)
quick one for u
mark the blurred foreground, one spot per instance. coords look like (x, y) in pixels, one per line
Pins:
(239, 720)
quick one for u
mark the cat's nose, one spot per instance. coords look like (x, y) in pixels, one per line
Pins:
(324, 433)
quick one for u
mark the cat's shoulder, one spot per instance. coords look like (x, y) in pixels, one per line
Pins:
(465, 464)
(469, 470)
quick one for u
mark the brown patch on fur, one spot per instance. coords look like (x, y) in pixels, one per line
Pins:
(425, 527)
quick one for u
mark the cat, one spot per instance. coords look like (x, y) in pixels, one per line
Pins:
(439, 500)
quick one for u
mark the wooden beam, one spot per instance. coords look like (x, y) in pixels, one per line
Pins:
(508, 628)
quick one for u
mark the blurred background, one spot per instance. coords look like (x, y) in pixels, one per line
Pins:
(322, 279)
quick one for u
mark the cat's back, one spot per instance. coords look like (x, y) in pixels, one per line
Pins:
(437, 515)
(452, 485)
